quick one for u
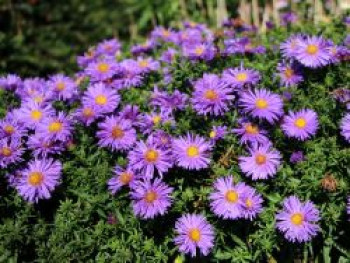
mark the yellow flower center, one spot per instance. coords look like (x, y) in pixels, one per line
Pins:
(35, 178)
(60, 86)
(151, 155)
(192, 151)
(288, 73)
(9, 129)
(249, 203)
(260, 159)
(38, 99)
(117, 132)
(231, 196)
(6, 151)
(156, 119)
(151, 196)
(199, 51)
(165, 33)
(261, 104)
(88, 112)
(194, 234)
(103, 67)
(312, 49)
(300, 123)
(55, 126)
(251, 129)
(211, 95)
(36, 115)
(101, 100)
(125, 178)
(143, 64)
(212, 134)
(297, 219)
(241, 77)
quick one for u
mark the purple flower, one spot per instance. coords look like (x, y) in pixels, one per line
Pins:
(162, 139)
(300, 125)
(147, 65)
(122, 177)
(102, 70)
(43, 146)
(250, 133)
(146, 47)
(57, 127)
(226, 199)
(39, 179)
(131, 76)
(86, 114)
(211, 96)
(263, 162)
(169, 102)
(298, 221)
(168, 56)
(150, 199)
(146, 157)
(116, 133)
(205, 51)
(32, 113)
(11, 128)
(130, 112)
(10, 82)
(108, 47)
(192, 152)
(101, 98)
(289, 47)
(313, 52)
(345, 127)
(240, 77)
(289, 74)
(164, 34)
(252, 203)
(217, 133)
(262, 104)
(10, 152)
(194, 231)
(288, 18)
(63, 87)
(297, 157)
(153, 120)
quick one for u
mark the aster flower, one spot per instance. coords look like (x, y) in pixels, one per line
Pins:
(131, 75)
(194, 231)
(262, 104)
(162, 139)
(102, 70)
(108, 47)
(205, 51)
(217, 133)
(130, 112)
(63, 87)
(168, 56)
(150, 199)
(226, 198)
(101, 98)
(289, 74)
(288, 18)
(11, 128)
(57, 127)
(191, 152)
(10, 152)
(86, 114)
(169, 102)
(211, 96)
(313, 52)
(252, 203)
(122, 177)
(298, 220)
(289, 47)
(10, 82)
(300, 125)
(116, 133)
(32, 113)
(146, 157)
(345, 127)
(152, 120)
(39, 179)
(263, 162)
(297, 157)
(250, 133)
(240, 77)
(147, 65)
(146, 47)
(164, 34)
(43, 146)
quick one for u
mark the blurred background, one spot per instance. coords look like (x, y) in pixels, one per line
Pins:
(40, 37)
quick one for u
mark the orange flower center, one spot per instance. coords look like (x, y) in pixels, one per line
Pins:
(88, 112)
(297, 219)
(143, 64)
(35, 178)
(151, 196)
(101, 100)
(60, 86)
(248, 203)
(312, 49)
(231, 196)
(151, 155)
(251, 129)
(261, 104)
(165, 33)
(103, 67)
(6, 151)
(125, 178)
(194, 234)
(55, 126)
(199, 51)
(117, 132)
(9, 129)
(260, 159)
(300, 123)
(192, 151)
(211, 95)
(288, 73)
